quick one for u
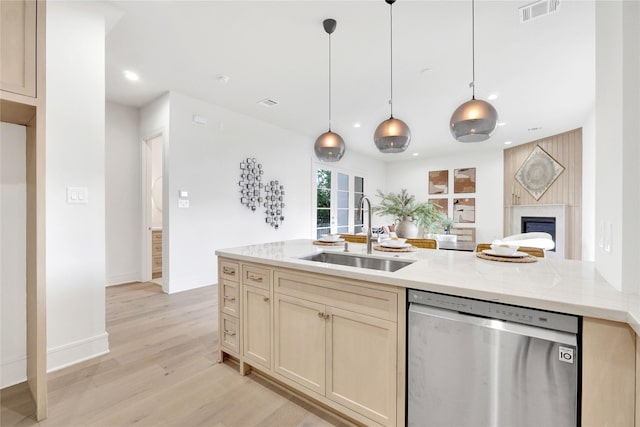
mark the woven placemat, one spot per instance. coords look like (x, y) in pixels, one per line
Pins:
(525, 259)
(321, 243)
(384, 249)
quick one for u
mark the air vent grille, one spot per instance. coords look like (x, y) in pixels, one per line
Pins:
(538, 9)
(268, 103)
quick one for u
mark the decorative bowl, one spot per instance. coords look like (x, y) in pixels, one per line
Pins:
(330, 238)
(395, 242)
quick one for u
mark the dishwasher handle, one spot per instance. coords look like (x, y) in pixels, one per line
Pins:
(496, 324)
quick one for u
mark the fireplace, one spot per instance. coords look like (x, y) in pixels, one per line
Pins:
(544, 224)
(557, 213)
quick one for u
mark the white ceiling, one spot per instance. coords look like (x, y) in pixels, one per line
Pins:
(543, 71)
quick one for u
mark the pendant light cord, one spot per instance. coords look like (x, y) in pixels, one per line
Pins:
(391, 55)
(473, 49)
(329, 82)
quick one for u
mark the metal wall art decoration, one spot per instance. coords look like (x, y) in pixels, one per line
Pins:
(252, 187)
(250, 183)
(538, 172)
(274, 204)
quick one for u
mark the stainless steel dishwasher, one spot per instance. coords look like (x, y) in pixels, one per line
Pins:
(477, 363)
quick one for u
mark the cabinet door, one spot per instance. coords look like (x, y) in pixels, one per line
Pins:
(18, 46)
(361, 364)
(299, 340)
(256, 318)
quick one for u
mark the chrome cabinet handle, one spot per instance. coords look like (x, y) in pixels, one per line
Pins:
(229, 270)
(255, 278)
(266, 299)
(321, 315)
(228, 298)
(327, 316)
(230, 333)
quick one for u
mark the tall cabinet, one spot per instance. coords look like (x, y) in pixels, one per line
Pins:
(22, 102)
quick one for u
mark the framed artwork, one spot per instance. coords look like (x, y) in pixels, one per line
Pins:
(442, 204)
(538, 172)
(439, 182)
(464, 210)
(464, 180)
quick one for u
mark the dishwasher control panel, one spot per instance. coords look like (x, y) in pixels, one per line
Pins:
(495, 310)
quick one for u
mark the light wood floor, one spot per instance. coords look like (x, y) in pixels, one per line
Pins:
(161, 371)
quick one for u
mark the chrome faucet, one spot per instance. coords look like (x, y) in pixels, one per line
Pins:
(362, 200)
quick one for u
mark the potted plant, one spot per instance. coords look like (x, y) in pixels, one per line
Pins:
(408, 213)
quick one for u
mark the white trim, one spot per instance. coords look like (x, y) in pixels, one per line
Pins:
(75, 352)
(13, 371)
(119, 279)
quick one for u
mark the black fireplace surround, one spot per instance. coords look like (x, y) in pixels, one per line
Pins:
(545, 224)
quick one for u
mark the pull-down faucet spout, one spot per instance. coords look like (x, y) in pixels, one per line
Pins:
(362, 201)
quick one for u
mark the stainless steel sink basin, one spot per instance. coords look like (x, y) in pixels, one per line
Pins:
(380, 264)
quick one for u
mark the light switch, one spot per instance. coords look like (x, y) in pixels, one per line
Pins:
(183, 203)
(77, 195)
(183, 194)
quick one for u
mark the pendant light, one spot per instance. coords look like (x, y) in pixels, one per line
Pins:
(475, 120)
(329, 146)
(392, 135)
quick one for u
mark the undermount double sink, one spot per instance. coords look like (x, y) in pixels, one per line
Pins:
(360, 261)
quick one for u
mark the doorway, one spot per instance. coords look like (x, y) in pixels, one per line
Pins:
(153, 267)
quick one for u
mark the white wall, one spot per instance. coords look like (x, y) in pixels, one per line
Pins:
(123, 197)
(617, 133)
(75, 136)
(589, 188)
(13, 262)
(413, 175)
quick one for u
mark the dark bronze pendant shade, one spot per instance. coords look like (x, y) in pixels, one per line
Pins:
(329, 146)
(392, 135)
(475, 120)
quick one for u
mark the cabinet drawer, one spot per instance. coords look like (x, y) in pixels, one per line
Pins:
(229, 294)
(156, 236)
(156, 263)
(338, 293)
(156, 249)
(229, 333)
(229, 270)
(256, 276)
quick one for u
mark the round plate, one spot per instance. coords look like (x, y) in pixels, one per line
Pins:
(514, 255)
(330, 241)
(395, 246)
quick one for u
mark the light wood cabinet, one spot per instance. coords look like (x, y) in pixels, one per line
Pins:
(22, 102)
(256, 330)
(299, 342)
(335, 340)
(229, 313)
(156, 254)
(18, 36)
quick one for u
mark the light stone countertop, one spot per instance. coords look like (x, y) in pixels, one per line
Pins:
(565, 286)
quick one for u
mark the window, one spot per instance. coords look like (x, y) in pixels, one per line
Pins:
(338, 195)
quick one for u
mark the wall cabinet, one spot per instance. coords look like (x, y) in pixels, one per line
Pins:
(18, 36)
(336, 341)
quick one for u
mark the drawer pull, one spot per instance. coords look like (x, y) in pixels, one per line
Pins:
(229, 270)
(230, 333)
(255, 278)
(327, 316)
(266, 299)
(228, 298)
(321, 315)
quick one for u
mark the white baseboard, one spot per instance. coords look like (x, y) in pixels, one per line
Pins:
(76, 352)
(119, 279)
(15, 371)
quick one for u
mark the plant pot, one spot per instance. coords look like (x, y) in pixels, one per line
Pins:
(406, 229)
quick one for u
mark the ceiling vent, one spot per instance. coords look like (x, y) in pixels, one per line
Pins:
(268, 103)
(538, 9)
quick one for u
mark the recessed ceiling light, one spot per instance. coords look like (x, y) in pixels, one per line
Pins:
(507, 143)
(356, 125)
(131, 76)
(223, 79)
(426, 70)
(268, 102)
(492, 96)
(415, 154)
(534, 128)
(501, 123)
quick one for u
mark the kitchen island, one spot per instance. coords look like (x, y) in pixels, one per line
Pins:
(269, 297)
